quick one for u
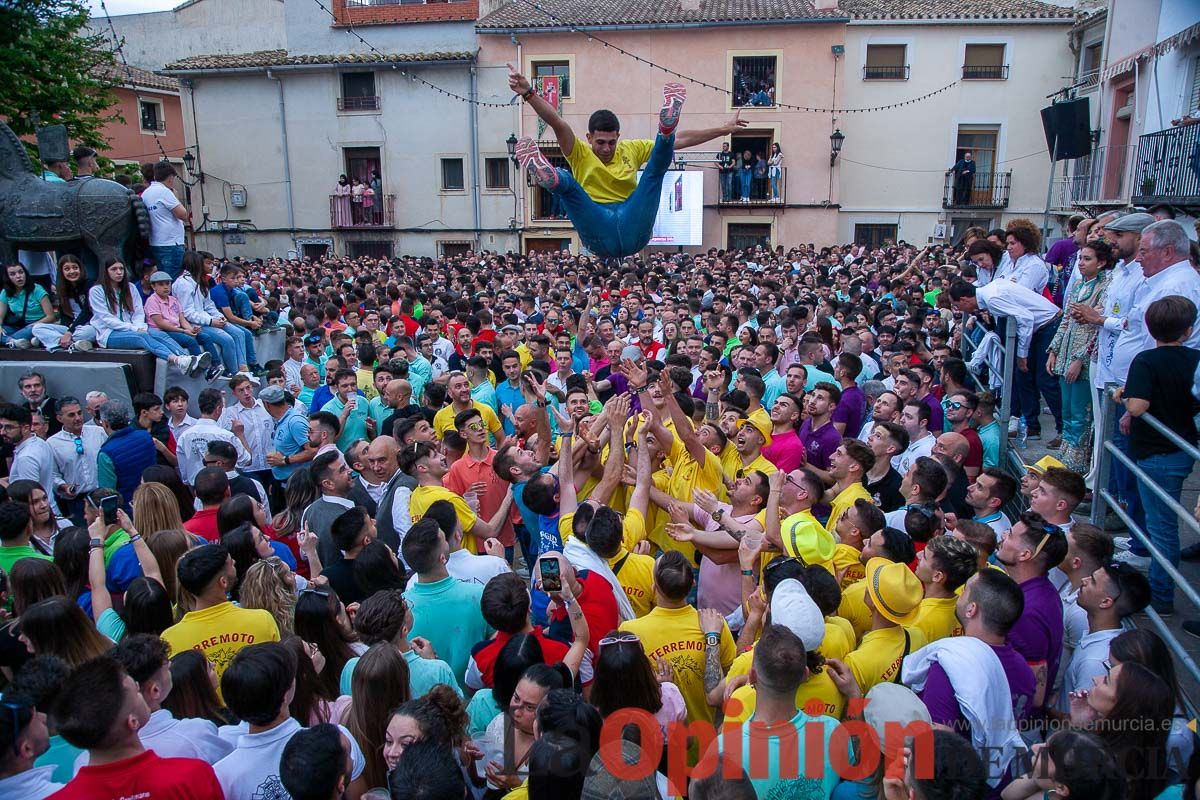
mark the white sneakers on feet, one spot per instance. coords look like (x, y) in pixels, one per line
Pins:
(1140, 563)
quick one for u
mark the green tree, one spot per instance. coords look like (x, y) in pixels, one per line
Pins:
(56, 70)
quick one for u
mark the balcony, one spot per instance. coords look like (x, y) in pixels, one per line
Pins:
(871, 73)
(1167, 168)
(996, 72)
(347, 215)
(1100, 179)
(763, 192)
(988, 190)
(370, 103)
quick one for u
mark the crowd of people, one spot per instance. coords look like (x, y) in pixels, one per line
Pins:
(722, 525)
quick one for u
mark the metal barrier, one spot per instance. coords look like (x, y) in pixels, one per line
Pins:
(1004, 412)
(1103, 501)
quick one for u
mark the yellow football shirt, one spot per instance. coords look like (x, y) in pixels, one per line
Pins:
(854, 608)
(219, 632)
(845, 500)
(612, 182)
(636, 578)
(936, 619)
(443, 420)
(675, 634)
(847, 558)
(425, 496)
(819, 688)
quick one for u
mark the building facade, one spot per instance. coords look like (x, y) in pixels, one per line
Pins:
(151, 123)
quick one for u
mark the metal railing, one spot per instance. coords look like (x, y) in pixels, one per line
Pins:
(968, 351)
(1103, 501)
(987, 190)
(1103, 177)
(996, 72)
(1168, 167)
(344, 213)
(367, 103)
(871, 73)
(765, 191)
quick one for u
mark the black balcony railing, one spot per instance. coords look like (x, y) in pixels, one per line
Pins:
(998, 72)
(871, 73)
(1168, 167)
(368, 103)
(983, 190)
(770, 190)
(344, 213)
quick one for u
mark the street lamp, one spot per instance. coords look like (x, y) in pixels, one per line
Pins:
(512, 147)
(189, 162)
(836, 139)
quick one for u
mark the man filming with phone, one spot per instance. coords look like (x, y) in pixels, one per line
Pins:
(121, 565)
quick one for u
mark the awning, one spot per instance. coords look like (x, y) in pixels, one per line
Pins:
(1180, 39)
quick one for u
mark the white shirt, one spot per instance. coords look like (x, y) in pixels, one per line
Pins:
(1028, 308)
(291, 371)
(188, 423)
(443, 348)
(259, 431)
(32, 784)
(1087, 662)
(1029, 271)
(921, 447)
(999, 524)
(193, 445)
(252, 770)
(373, 490)
(69, 466)
(1180, 279)
(470, 568)
(165, 228)
(33, 460)
(198, 307)
(178, 738)
(106, 320)
(1118, 298)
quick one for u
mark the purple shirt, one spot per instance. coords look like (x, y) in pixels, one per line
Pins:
(936, 419)
(1061, 251)
(820, 444)
(852, 410)
(786, 452)
(938, 694)
(1038, 635)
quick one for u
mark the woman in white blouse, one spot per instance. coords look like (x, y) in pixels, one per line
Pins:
(1022, 263)
(216, 336)
(120, 322)
(775, 169)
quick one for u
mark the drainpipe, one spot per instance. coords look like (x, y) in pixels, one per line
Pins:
(474, 112)
(287, 164)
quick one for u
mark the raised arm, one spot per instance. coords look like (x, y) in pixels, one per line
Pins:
(568, 501)
(145, 557)
(101, 599)
(542, 452)
(618, 409)
(683, 425)
(548, 113)
(692, 138)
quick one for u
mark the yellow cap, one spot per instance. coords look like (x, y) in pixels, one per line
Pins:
(894, 590)
(803, 536)
(1044, 463)
(760, 420)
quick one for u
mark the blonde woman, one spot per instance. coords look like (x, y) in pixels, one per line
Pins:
(271, 586)
(155, 508)
(168, 546)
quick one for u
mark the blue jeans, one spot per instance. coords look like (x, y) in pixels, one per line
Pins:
(775, 176)
(169, 258)
(616, 230)
(157, 342)
(225, 349)
(246, 337)
(747, 176)
(727, 185)
(188, 343)
(13, 332)
(1036, 380)
(1167, 471)
(1121, 482)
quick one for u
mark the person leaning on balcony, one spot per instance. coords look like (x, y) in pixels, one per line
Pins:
(341, 202)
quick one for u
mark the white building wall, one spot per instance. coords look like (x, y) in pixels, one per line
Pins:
(892, 167)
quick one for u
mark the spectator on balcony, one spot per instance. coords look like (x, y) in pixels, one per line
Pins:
(964, 179)
(377, 190)
(368, 205)
(746, 174)
(775, 170)
(726, 168)
(356, 198)
(341, 202)
(762, 97)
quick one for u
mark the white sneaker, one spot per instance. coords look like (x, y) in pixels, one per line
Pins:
(253, 378)
(1140, 563)
(200, 363)
(1122, 542)
(83, 345)
(181, 363)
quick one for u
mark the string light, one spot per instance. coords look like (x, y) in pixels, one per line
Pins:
(119, 49)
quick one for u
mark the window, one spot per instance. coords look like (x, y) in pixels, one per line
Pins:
(984, 62)
(547, 206)
(358, 92)
(558, 69)
(874, 236)
(496, 173)
(1194, 95)
(369, 249)
(886, 62)
(455, 249)
(754, 80)
(1091, 57)
(151, 112)
(452, 175)
(747, 236)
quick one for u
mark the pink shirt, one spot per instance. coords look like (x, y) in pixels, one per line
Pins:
(786, 451)
(169, 309)
(720, 584)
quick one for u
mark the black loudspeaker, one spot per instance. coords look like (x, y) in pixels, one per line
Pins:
(1068, 124)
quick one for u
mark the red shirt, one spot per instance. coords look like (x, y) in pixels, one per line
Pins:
(653, 351)
(145, 776)
(484, 654)
(974, 449)
(204, 524)
(599, 607)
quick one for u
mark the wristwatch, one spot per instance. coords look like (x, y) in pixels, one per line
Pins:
(716, 515)
(94, 543)
(287, 460)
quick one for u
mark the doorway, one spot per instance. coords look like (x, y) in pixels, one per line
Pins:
(361, 162)
(981, 142)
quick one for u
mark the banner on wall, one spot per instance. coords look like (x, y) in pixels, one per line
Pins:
(548, 88)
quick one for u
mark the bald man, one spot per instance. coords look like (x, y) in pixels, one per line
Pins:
(381, 459)
(392, 518)
(950, 449)
(395, 404)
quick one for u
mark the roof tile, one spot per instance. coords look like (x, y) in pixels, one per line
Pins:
(137, 77)
(281, 58)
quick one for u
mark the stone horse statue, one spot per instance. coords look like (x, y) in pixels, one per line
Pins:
(101, 215)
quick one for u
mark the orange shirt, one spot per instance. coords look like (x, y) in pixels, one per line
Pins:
(467, 471)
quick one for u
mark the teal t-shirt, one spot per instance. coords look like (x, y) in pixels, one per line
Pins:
(26, 304)
(355, 427)
(111, 625)
(61, 755)
(480, 712)
(447, 614)
(423, 675)
(989, 437)
(799, 784)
